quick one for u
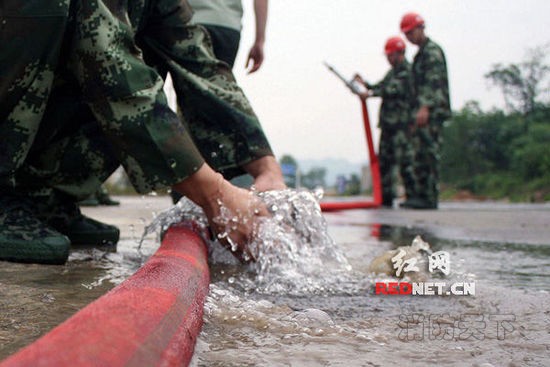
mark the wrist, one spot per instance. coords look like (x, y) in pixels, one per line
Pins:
(204, 187)
(261, 165)
(259, 42)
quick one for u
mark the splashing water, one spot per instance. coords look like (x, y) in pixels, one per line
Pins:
(183, 211)
(292, 247)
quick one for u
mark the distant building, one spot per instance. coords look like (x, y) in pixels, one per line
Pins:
(341, 184)
(366, 178)
(290, 172)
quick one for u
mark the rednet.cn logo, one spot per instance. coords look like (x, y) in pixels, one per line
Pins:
(437, 261)
(426, 288)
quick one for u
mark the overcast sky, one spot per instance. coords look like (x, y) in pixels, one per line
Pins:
(309, 113)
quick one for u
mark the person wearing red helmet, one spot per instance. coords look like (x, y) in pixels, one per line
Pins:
(395, 149)
(433, 108)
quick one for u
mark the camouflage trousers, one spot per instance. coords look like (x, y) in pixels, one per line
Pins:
(31, 38)
(81, 90)
(427, 143)
(396, 154)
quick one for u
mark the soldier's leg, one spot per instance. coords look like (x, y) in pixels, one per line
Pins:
(405, 161)
(220, 118)
(386, 157)
(126, 97)
(427, 164)
(225, 43)
(104, 198)
(70, 161)
(31, 38)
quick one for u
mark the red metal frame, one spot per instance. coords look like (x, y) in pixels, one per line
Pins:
(375, 174)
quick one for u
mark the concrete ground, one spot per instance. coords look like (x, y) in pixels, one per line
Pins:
(484, 221)
(35, 298)
(480, 221)
(132, 215)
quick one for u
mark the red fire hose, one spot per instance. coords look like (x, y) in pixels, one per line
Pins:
(151, 319)
(375, 174)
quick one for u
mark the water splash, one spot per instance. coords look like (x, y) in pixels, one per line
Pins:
(183, 210)
(293, 250)
(295, 253)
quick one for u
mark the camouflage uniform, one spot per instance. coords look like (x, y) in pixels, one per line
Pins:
(432, 90)
(77, 99)
(31, 35)
(107, 105)
(395, 150)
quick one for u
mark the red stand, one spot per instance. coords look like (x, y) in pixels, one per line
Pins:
(375, 174)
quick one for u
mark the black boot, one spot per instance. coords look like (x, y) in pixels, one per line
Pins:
(25, 238)
(60, 212)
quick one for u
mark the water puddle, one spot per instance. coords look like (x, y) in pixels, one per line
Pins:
(310, 299)
(326, 313)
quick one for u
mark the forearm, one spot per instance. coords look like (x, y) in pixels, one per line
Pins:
(260, 11)
(267, 173)
(129, 102)
(261, 165)
(202, 187)
(230, 210)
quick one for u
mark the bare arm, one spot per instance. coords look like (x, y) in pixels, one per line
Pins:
(210, 191)
(267, 174)
(256, 53)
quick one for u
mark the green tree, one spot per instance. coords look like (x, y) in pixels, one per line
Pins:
(504, 154)
(288, 159)
(354, 185)
(477, 142)
(531, 153)
(315, 177)
(497, 154)
(289, 166)
(524, 85)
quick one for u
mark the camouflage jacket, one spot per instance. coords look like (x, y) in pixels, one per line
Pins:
(396, 90)
(215, 109)
(431, 81)
(102, 45)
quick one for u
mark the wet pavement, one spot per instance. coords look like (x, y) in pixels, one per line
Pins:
(483, 221)
(504, 247)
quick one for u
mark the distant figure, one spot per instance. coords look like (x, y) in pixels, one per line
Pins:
(100, 197)
(433, 108)
(396, 120)
(222, 20)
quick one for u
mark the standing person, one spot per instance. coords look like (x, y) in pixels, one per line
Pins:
(433, 109)
(222, 19)
(78, 100)
(395, 150)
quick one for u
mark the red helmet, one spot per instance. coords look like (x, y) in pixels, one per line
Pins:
(394, 44)
(410, 21)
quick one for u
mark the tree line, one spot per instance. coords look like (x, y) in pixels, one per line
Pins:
(503, 153)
